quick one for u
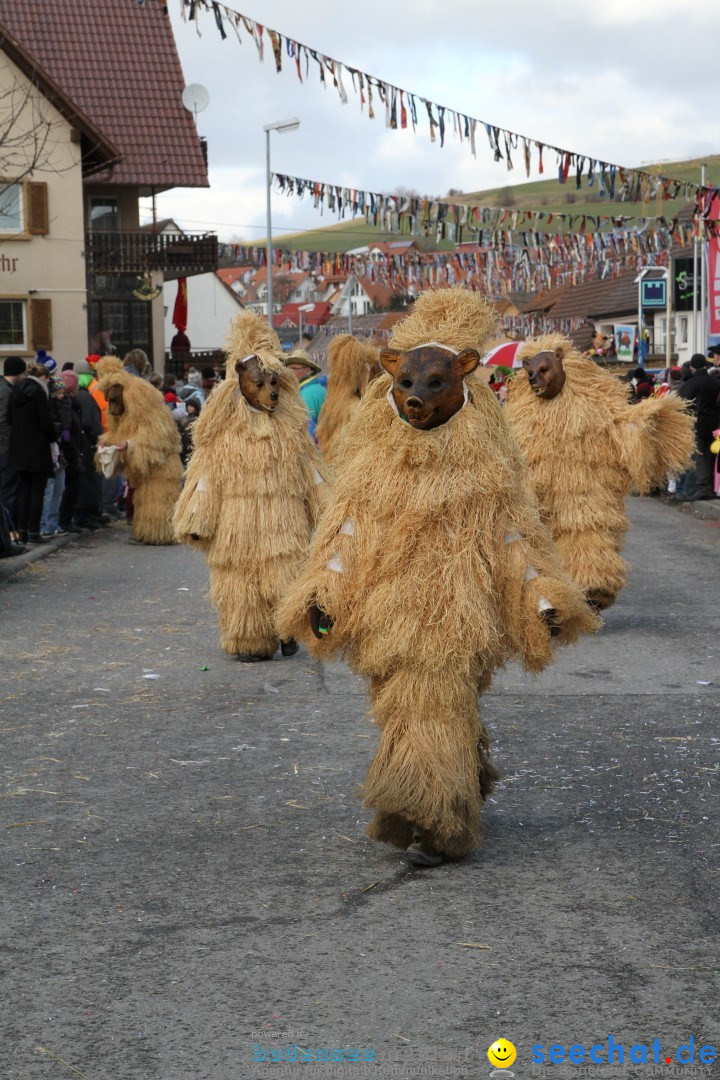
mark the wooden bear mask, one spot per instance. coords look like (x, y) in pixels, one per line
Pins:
(428, 386)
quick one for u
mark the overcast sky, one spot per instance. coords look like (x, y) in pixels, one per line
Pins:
(629, 81)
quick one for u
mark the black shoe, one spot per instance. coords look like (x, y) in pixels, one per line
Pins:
(289, 647)
(698, 497)
(74, 529)
(22, 536)
(12, 551)
(251, 658)
(36, 538)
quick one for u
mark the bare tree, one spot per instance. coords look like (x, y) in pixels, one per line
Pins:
(26, 134)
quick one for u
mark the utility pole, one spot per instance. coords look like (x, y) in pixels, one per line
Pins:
(703, 281)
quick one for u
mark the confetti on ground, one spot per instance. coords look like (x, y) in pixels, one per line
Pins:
(473, 945)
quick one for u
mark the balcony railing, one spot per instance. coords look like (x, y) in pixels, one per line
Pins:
(176, 255)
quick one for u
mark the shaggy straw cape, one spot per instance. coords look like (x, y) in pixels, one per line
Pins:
(586, 449)
(151, 463)
(253, 491)
(432, 561)
(348, 375)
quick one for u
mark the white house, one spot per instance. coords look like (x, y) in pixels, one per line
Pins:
(210, 307)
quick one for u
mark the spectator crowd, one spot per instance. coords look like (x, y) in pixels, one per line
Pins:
(50, 423)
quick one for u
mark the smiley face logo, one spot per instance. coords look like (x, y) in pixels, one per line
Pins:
(501, 1054)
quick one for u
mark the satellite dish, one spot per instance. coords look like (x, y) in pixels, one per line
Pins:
(195, 98)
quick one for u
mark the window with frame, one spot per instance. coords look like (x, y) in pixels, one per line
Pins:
(104, 214)
(13, 325)
(11, 208)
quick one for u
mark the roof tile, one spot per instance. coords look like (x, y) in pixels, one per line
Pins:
(118, 62)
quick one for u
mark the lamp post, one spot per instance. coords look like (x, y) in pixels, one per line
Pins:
(301, 308)
(281, 126)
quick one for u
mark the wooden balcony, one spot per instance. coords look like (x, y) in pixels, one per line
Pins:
(136, 252)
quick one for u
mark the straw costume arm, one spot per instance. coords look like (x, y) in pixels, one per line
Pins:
(657, 436)
(545, 606)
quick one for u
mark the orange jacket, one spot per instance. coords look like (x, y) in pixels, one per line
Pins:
(100, 400)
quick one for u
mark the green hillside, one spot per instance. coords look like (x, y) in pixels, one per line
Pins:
(546, 195)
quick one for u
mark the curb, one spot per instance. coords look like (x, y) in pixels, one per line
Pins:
(10, 567)
(704, 510)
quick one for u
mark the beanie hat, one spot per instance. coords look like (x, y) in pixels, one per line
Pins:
(82, 367)
(70, 379)
(14, 365)
(698, 361)
(85, 379)
(46, 360)
(92, 359)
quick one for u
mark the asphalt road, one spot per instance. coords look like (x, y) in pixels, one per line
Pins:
(184, 869)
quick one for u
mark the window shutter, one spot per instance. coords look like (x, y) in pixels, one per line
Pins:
(37, 201)
(41, 324)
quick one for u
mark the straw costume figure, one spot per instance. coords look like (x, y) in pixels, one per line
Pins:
(141, 427)
(253, 490)
(429, 569)
(348, 376)
(586, 448)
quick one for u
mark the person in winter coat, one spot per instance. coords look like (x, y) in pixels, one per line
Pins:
(73, 452)
(703, 392)
(88, 506)
(32, 433)
(312, 390)
(14, 371)
(60, 410)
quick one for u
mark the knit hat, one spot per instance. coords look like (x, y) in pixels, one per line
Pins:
(57, 386)
(92, 359)
(14, 365)
(70, 379)
(698, 361)
(46, 360)
(82, 368)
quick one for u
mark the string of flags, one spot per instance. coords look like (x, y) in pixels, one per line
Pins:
(497, 269)
(412, 215)
(404, 109)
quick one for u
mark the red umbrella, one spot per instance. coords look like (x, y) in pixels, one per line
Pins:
(504, 355)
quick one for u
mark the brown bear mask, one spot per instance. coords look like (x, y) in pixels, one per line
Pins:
(261, 389)
(116, 400)
(428, 386)
(545, 373)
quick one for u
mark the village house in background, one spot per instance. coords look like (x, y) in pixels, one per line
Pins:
(82, 140)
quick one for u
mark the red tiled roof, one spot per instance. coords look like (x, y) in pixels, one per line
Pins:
(376, 291)
(291, 314)
(230, 274)
(118, 62)
(98, 151)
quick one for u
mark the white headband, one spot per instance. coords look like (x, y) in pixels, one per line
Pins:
(437, 344)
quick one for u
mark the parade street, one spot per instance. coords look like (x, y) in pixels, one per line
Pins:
(186, 879)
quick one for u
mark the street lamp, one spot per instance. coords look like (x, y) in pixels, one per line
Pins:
(303, 307)
(281, 126)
